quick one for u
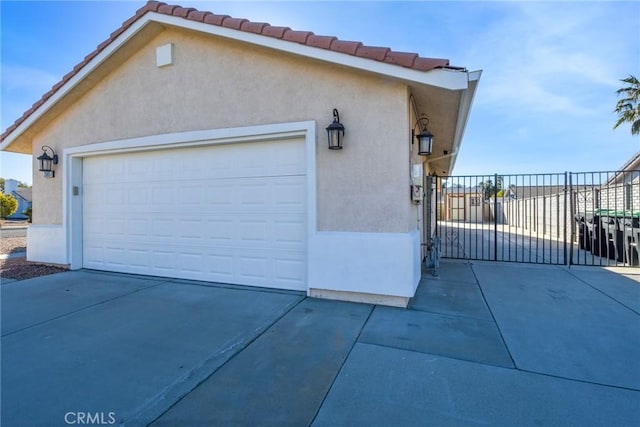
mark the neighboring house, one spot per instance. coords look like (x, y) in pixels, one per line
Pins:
(465, 204)
(622, 191)
(193, 145)
(22, 195)
(617, 191)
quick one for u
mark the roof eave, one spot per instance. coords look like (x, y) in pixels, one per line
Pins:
(78, 77)
(442, 77)
(634, 160)
(451, 79)
(463, 115)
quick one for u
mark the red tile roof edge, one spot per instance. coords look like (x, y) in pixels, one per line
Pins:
(380, 54)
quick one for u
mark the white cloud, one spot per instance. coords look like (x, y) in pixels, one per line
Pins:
(21, 87)
(547, 57)
(18, 77)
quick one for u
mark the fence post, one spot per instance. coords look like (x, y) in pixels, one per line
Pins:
(572, 216)
(566, 260)
(495, 218)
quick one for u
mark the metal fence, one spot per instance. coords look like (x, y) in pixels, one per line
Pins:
(584, 218)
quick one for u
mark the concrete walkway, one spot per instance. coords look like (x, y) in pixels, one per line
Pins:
(481, 241)
(485, 343)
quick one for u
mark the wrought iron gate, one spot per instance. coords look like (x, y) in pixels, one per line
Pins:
(570, 218)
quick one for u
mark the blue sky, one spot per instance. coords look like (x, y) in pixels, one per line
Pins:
(544, 104)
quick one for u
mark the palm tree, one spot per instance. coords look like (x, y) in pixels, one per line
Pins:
(628, 108)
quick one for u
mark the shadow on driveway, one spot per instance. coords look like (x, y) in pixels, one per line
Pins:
(484, 343)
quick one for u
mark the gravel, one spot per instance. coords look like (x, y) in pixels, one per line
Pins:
(13, 244)
(18, 267)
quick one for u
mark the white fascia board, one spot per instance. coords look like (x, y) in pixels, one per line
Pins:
(74, 81)
(463, 115)
(447, 79)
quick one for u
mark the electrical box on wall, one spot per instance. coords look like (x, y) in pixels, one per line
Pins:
(416, 193)
(416, 174)
(416, 179)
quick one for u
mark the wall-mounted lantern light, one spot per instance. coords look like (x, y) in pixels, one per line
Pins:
(335, 132)
(45, 161)
(425, 138)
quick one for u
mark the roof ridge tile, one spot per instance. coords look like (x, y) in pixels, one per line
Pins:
(253, 27)
(182, 12)
(212, 18)
(274, 31)
(323, 42)
(235, 23)
(373, 52)
(297, 36)
(405, 59)
(166, 9)
(150, 6)
(346, 46)
(197, 15)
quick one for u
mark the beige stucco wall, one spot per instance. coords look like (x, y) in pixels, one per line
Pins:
(216, 83)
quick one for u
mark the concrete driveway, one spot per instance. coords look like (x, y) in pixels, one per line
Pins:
(485, 343)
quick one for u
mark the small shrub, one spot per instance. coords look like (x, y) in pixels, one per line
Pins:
(28, 212)
(8, 205)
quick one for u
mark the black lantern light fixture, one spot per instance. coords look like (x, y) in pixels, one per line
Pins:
(335, 132)
(45, 161)
(425, 138)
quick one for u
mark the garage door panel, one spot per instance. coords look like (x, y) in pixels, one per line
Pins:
(115, 256)
(289, 231)
(289, 195)
(190, 229)
(254, 267)
(290, 270)
(137, 227)
(162, 261)
(283, 232)
(191, 195)
(162, 227)
(93, 255)
(137, 194)
(190, 262)
(220, 230)
(138, 258)
(220, 265)
(214, 214)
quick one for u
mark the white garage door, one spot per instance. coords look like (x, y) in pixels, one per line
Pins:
(229, 213)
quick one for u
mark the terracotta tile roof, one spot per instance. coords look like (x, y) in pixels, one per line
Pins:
(381, 54)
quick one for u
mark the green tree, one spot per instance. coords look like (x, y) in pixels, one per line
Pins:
(488, 189)
(628, 108)
(8, 205)
(29, 212)
(1, 185)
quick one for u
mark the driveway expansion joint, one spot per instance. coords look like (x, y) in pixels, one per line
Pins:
(79, 310)
(153, 411)
(602, 292)
(504, 342)
(364, 324)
